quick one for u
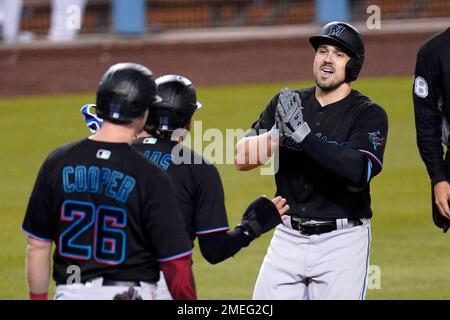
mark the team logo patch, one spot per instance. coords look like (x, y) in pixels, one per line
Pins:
(150, 140)
(103, 154)
(420, 87)
(376, 140)
(335, 31)
(115, 109)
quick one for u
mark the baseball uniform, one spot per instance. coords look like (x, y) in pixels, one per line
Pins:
(332, 144)
(108, 210)
(431, 95)
(320, 180)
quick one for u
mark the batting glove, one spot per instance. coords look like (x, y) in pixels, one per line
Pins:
(93, 122)
(289, 110)
(259, 217)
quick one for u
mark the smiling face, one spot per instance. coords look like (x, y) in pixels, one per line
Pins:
(329, 67)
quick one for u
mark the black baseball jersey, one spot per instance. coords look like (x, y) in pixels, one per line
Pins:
(320, 178)
(108, 210)
(197, 184)
(431, 94)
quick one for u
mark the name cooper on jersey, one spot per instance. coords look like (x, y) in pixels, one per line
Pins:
(112, 183)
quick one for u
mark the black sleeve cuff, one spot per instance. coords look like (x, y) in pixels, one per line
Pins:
(439, 178)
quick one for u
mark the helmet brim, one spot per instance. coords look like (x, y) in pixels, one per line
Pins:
(316, 41)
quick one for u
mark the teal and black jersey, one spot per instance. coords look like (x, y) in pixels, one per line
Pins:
(327, 176)
(108, 210)
(198, 186)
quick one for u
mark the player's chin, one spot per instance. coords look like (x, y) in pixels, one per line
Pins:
(324, 84)
(328, 84)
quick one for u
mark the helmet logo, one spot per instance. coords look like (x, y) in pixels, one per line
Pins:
(164, 122)
(335, 31)
(115, 109)
(150, 140)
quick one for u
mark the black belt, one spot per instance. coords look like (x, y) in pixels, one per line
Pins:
(112, 283)
(311, 227)
(116, 283)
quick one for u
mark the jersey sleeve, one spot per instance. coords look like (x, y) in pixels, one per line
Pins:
(362, 157)
(266, 119)
(369, 136)
(428, 118)
(38, 221)
(164, 226)
(210, 212)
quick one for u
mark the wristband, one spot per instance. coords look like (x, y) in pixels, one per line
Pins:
(300, 134)
(40, 296)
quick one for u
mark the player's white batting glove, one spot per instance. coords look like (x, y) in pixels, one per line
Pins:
(289, 110)
(93, 122)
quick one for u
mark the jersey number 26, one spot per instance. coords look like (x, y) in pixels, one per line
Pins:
(108, 241)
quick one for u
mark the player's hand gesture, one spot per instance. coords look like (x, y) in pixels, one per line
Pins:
(441, 198)
(289, 116)
(281, 205)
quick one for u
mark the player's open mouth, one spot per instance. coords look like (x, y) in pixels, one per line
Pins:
(326, 70)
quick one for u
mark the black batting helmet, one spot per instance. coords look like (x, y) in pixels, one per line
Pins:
(125, 91)
(178, 104)
(347, 38)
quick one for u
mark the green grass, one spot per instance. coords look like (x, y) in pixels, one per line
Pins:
(412, 254)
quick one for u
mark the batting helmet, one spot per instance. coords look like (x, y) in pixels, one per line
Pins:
(178, 104)
(125, 91)
(347, 38)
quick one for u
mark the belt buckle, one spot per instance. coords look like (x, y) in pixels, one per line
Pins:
(303, 229)
(313, 227)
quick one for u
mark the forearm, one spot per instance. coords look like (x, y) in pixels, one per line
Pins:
(179, 278)
(254, 151)
(38, 266)
(342, 161)
(218, 246)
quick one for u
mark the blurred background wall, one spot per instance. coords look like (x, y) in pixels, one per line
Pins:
(65, 45)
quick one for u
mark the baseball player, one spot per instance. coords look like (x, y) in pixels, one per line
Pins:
(431, 95)
(331, 140)
(197, 182)
(107, 209)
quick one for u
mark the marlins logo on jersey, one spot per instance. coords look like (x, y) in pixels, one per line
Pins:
(376, 139)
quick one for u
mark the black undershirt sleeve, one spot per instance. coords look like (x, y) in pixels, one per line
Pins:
(348, 163)
(362, 157)
(218, 246)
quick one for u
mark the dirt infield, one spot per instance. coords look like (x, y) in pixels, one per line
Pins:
(77, 68)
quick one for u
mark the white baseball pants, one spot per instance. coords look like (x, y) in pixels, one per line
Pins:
(332, 265)
(94, 290)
